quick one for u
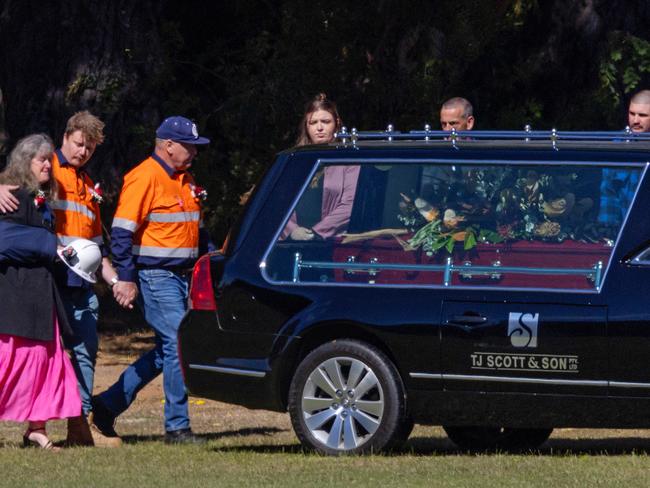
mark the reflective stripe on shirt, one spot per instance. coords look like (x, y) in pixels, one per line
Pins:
(69, 206)
(170, 217)
(166, 252)
(125, 224)
(65, 240)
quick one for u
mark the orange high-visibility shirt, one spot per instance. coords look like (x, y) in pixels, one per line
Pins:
(157, 220)
(75, 210)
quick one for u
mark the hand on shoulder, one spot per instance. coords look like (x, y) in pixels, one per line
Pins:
(8, 201)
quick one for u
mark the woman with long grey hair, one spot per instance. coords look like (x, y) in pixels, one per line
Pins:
(37, 381)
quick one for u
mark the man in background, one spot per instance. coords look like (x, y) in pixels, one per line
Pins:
(638, 113)
(457, 113)
(618, 186)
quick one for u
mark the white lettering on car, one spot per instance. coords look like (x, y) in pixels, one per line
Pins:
(554, 363)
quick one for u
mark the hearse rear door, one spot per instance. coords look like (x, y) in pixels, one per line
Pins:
(524, 348)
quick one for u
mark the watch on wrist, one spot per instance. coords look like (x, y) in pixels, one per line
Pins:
(113, 281)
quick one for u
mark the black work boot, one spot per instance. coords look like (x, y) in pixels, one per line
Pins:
(183, 436)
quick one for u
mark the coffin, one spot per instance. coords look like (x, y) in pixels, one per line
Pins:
(520, 264)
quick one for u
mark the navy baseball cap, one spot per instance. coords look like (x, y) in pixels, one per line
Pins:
(180, 129)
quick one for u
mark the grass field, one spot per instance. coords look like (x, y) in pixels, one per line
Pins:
(256, 448)
(271, 457)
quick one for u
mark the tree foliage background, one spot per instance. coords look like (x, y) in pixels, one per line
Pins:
(244, 70)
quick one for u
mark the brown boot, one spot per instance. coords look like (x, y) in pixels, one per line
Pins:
(79, 432)
(100, 438)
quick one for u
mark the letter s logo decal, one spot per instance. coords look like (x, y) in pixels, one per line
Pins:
(522, 329)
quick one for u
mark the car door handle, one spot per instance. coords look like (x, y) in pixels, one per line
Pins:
(468, 320)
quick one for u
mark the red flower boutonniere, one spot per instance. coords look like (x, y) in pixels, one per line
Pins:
(97, 194)
(198, 193)
(39, 199)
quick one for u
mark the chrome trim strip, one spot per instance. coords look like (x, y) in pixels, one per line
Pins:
(514, 379)
(426, 376)
(225, 370)
(507, 379)
(626, 384)
(590, 291)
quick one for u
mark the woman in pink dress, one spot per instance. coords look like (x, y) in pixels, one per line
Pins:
(335, 185)
(37, 381)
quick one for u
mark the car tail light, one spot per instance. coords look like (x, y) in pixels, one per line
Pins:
(201, 292)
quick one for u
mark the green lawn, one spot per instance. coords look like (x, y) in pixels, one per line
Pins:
(253, 457)
(258, 448)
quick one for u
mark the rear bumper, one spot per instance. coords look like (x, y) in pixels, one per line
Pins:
(221, 365)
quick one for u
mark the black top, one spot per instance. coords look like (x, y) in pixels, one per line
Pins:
(27, 253)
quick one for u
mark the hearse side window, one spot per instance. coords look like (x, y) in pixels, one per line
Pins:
(531, 225)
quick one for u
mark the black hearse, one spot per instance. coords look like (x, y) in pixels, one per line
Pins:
(494, 283)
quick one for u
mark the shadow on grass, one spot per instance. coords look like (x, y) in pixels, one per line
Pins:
(418, 445)
(436, 446)
(553, 447)
(210, 436)
(266, 449)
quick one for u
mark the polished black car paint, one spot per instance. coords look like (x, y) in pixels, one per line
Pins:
(247, 350)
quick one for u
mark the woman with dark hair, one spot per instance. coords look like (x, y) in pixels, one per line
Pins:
(324, 210)
(37, 381)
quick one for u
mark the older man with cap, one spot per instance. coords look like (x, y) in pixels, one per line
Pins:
(155, 242)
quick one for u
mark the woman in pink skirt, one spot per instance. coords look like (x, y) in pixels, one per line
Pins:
(37, 381)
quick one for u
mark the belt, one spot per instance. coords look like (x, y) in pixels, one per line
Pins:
(184, 272)
(179, 271)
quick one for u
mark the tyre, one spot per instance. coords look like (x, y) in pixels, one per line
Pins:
(347, 397)
(402, 434)
(487, 438)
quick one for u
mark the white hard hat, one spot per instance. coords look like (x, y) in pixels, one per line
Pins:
(83, 257)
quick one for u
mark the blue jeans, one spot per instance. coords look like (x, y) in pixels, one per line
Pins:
(163, 298)
(82, 308)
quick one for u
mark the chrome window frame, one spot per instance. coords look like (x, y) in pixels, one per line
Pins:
(464, 162)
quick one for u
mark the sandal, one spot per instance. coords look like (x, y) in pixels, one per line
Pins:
(38, 438)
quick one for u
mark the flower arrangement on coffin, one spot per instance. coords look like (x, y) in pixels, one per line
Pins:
(493, 205)
(443, 234)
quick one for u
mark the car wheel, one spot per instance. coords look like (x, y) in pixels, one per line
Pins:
(347, 397)
(508, 439)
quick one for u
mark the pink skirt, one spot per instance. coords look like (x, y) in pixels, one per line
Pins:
(37, 381)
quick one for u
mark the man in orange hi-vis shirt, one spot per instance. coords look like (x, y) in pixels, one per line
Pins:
(76, 214)
(156, 238)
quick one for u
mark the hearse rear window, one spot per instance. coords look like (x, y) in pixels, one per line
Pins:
(529, 225)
